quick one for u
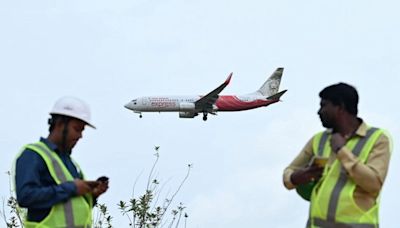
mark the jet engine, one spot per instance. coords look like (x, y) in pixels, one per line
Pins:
(186, 106)
(187, 114)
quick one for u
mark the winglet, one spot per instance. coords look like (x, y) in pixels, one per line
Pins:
(228, 79)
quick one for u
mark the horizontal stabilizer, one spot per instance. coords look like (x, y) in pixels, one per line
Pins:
(276, 96)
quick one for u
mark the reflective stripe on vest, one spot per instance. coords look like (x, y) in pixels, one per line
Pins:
(320, 153)
(68, 212)
(75, 212)
(334, 199)
(327, 196)
(322, 143)
(329, 224)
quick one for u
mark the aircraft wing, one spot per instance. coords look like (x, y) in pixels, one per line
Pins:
(206, 102)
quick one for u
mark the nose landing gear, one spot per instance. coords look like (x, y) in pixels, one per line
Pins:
(204, 116)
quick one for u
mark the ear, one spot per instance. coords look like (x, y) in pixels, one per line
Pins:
(59, 124)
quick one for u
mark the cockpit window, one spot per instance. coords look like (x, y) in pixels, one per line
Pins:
(134, 101)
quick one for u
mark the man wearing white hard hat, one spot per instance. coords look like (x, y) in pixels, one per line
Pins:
(49, 183)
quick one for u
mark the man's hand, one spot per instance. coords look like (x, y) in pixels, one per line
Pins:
(337, 142)
(81, 187)
(306, 175)
(101, 187)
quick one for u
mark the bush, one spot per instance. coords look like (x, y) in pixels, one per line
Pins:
(143, 211)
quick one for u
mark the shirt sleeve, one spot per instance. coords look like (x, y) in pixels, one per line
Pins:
(371, 175)
(301, 161)
(33, 189)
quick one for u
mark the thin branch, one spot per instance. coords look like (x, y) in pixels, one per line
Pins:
(152, 169)
(179, 218)
(3, 213)
(179, 188)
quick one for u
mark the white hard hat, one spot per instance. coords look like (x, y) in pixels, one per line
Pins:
(73, 107)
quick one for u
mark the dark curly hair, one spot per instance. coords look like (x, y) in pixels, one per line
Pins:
(342, 94)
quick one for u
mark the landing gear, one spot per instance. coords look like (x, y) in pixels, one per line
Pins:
(140, 116)
(204, 116)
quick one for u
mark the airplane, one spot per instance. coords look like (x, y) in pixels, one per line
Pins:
(191, 106)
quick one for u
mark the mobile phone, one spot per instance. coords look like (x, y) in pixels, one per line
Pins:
(102, 179)
(319, 161)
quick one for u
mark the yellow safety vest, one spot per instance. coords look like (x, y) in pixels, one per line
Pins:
(332, 202)
(77, 211)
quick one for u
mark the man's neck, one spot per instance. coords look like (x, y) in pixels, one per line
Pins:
(348, 127)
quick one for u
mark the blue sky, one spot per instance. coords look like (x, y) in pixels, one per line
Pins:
(108, 53)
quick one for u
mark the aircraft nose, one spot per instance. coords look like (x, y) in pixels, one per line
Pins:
(128, 105)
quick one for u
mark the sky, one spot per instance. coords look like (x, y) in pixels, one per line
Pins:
(110, 52)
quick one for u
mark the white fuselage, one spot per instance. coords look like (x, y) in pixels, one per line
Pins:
(187, 103)
(212, 102)
(160, 104)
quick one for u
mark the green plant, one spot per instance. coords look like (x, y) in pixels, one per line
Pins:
(102, 218)
(15, 212)
(144, 211)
